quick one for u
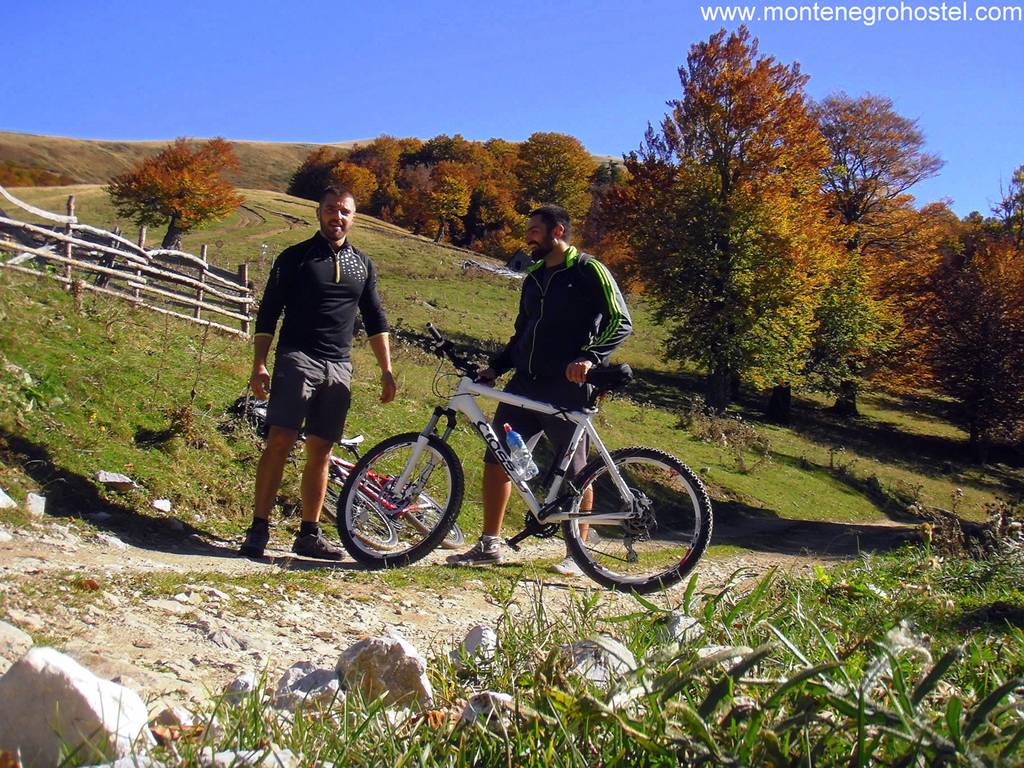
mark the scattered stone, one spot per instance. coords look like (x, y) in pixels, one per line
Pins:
(111, 541)
(115, 480)
(170, 606)
(162, 505)
(35, 504)
(236, 691)
(388, 666)
(6, 502)
(489, 706)
(479, 647)
(601, 659)
(28, 621)
(174, 715)
(49, 702)
(13, 644)
(272, 757)
(306, 686)
(725, 661)
(5, 536)
(677, 627)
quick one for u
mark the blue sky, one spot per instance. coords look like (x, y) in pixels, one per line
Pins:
(600, 71)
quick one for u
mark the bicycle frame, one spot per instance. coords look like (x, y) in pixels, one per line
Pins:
(464, 402)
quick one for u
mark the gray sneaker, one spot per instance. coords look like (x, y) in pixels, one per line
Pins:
(480, 554)
(256, 540)
(315, 545)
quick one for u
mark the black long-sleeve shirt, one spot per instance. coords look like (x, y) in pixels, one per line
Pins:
(319, 291)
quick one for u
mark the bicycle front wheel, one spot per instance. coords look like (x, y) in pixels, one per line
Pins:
(666, 529)
(421, 515)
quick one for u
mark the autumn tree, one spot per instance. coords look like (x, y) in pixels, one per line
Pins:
(182, 186)
(310, 178)
(555, 168)
(1010, 209)
(724, 217)
(877, 155)
(449, 196)
(975, 318)
(356, 179)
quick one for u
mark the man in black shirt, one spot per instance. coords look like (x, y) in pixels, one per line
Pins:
(318, 284)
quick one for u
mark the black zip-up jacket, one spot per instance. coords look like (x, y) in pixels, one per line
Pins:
(578, 314)
(319, 291)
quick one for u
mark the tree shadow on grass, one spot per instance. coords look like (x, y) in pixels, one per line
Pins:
(69, 494)
(758, 530)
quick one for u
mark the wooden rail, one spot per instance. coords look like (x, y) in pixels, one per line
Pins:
(165, 281)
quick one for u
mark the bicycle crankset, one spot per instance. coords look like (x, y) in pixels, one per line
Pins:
(533, 528)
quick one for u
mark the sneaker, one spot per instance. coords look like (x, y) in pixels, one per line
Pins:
(256, 539)
(315, 545)
(480, 554)
(567, 567)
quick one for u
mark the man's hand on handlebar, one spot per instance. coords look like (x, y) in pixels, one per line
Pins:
(577, 371)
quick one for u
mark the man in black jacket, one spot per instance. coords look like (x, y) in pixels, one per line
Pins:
(319, 284)
(571, 317)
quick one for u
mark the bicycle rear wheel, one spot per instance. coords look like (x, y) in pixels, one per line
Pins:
(420, 525)
(667, 531)
(369, 524)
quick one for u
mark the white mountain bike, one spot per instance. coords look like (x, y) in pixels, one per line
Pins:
(650, 511)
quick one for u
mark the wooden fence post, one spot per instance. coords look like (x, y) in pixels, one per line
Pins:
(243, 279)
(138, 272)
(202, 279)
(68, 230)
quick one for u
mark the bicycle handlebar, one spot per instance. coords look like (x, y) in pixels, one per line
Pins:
(602, 377)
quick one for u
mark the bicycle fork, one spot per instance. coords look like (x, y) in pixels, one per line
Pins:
(402, 487)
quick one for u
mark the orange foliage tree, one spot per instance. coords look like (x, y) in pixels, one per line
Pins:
(876, 157)
(725, 220)
(555, 168)
(975, 321)
(181, 186)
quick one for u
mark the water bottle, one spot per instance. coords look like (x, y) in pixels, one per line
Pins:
(519, 453)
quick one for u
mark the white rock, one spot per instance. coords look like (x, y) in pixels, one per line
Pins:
(5, 536)
(170, 606)
(6, 502)
(488, 706)
(305, 686)
(115, 480)
(601, 659)
(479, 647)
(35, 504)
(49, 701)
(680, 628)
(273, 757)
(134, 761)
(239, 688)
(13, 644)
(388, 666)
(162, 505)
(29, 621)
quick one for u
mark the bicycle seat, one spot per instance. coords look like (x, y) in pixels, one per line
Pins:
(350, 442)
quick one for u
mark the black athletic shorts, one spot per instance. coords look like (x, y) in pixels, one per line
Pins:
(558, 391)
(311, 392)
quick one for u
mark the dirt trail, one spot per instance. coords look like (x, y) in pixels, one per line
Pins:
(178, 646)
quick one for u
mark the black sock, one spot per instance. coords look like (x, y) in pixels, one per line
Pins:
(260, 524)
(308, 527)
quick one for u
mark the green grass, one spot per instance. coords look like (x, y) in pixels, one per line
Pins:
(109, 381)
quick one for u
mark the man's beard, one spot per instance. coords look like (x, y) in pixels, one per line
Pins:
(541, 251)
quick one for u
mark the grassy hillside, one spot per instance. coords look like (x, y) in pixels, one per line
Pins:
(262, 164)
(108, 387)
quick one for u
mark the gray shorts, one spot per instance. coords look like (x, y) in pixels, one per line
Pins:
(304, 390)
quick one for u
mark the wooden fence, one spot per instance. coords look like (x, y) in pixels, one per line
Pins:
(82, 257)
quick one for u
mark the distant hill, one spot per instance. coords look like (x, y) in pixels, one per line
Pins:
(262, 164)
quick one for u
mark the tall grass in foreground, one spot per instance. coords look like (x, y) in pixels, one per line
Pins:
(904, 660)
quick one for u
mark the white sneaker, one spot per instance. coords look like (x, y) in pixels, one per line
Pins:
(567, 567)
